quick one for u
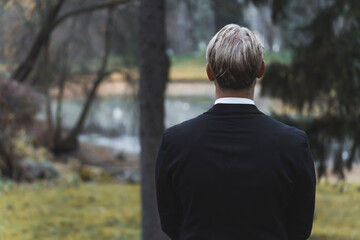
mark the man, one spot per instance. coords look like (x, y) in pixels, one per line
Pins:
(234, 173)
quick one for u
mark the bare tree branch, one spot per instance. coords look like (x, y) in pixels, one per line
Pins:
(21, 73)
(70, 142)
(89, 9)
(21, 10)
(42, 38)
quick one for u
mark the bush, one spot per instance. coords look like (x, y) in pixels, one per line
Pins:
(19, 104)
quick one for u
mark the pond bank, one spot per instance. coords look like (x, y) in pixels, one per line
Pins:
(116, 86)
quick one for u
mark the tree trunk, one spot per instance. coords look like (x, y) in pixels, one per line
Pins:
(58, 113)
(355, 146)
(7, 161)
(154, 64)
(338, 167)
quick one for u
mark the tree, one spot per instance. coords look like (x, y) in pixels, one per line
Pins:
(323, 81)
(41, 49)
(51, 22)
(153, 66)
(19, 104)
(70, 142)
(231, 11)
(226, 12)
(41, 40)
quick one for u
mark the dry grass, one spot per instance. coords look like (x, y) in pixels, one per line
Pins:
(96, 211)
(112, 211)
(337, 214)
(188, 69)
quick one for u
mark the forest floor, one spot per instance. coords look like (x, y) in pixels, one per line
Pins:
(109, 211)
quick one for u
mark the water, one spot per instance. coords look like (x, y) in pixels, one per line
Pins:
(114, 122)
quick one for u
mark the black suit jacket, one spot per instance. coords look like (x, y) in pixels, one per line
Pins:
(235, 173)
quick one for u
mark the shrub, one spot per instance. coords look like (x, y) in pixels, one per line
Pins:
(19, 104)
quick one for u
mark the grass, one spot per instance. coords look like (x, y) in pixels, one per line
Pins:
(192, 67)
(96, 211)
(112, 211)
(337, 214)
(189, 67)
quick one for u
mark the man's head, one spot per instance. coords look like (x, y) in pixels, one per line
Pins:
(235, 58)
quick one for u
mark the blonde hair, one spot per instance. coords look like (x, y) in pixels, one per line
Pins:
(235, 56)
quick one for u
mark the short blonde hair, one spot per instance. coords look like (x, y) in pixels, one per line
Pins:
(235, 56)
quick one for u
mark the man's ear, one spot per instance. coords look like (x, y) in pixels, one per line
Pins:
(210, 73)
(262, 70)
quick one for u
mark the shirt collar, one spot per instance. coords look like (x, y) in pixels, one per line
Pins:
(234, 100)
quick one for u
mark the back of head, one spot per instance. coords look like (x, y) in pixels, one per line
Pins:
(235, 56)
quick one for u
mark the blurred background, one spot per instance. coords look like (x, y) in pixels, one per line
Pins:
(76, 161)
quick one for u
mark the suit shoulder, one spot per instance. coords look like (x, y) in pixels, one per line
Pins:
(285, 131)
(185, 128)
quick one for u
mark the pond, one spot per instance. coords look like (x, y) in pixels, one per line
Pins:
(113, 122)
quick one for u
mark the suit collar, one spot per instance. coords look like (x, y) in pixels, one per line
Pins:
(234, 100)
(234, 108)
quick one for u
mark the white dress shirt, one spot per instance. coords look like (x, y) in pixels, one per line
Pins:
(234, 100)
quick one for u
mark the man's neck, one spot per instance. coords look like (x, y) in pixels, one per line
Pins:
(247, 93)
